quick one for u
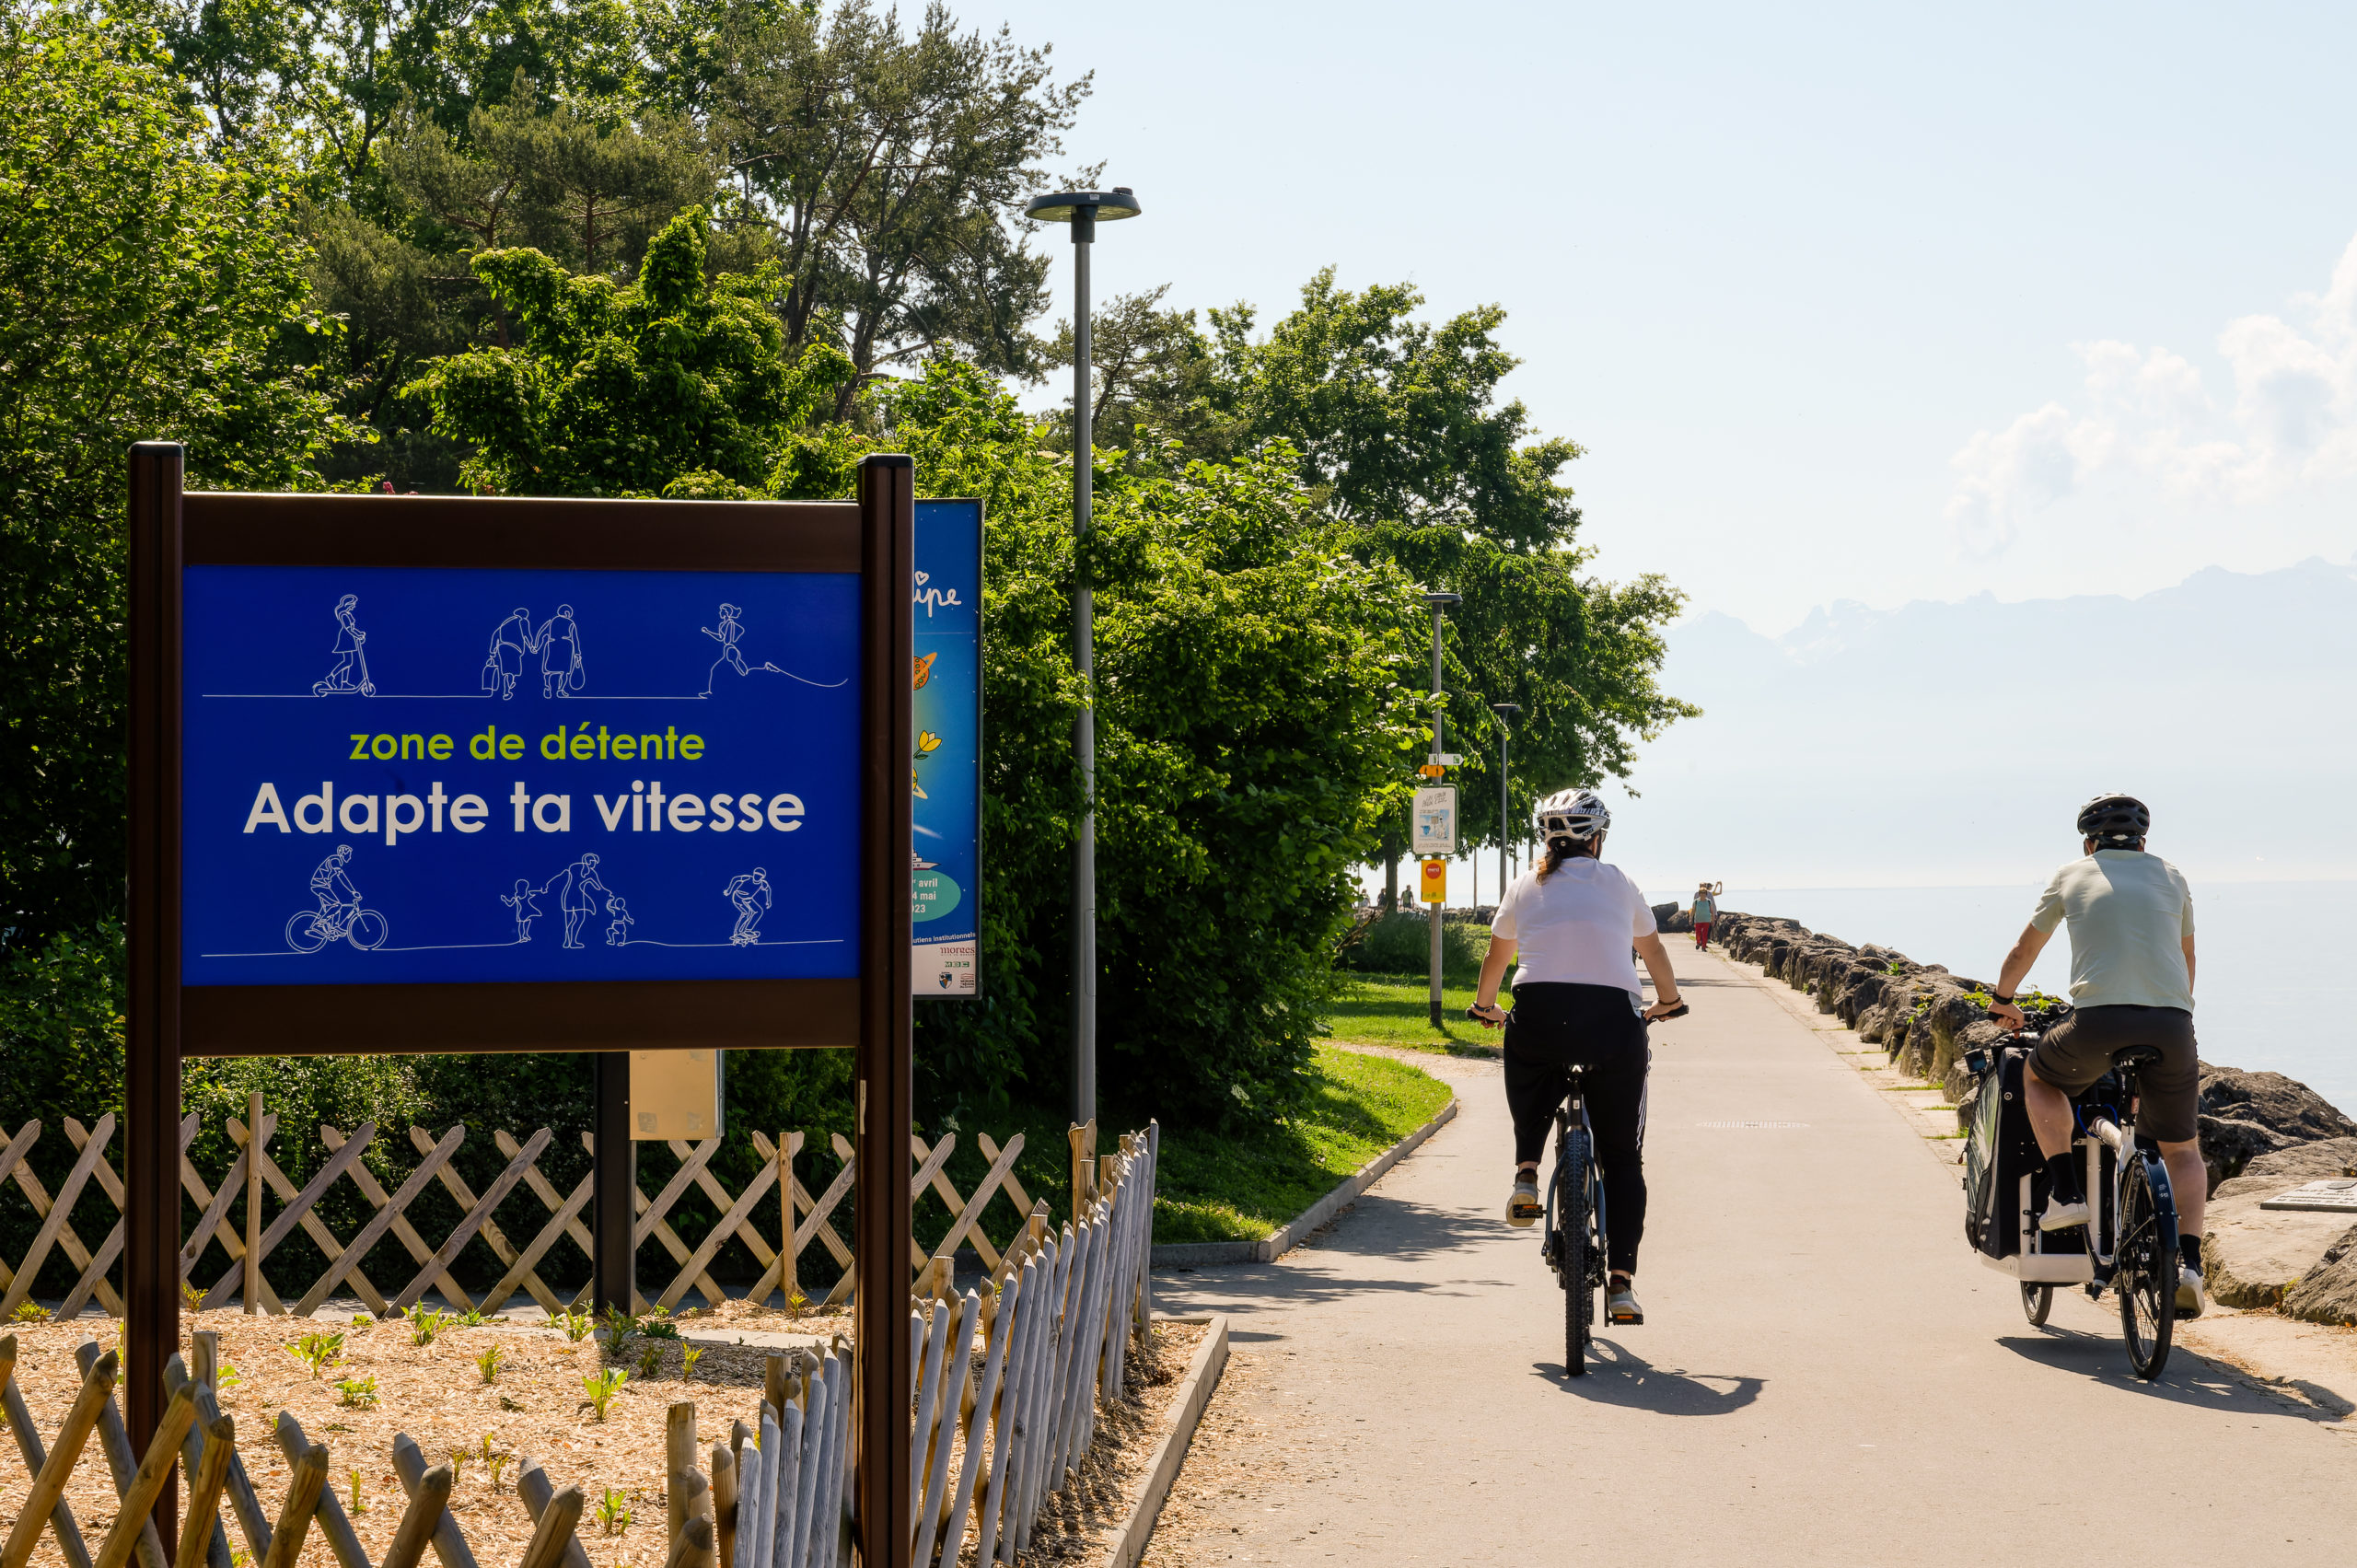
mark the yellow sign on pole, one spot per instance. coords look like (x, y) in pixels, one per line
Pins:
(1435, 881)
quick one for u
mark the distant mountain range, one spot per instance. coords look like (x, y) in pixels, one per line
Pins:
(1943, 744)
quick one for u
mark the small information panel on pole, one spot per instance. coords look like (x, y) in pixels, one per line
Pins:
(427, 774)
(1436, 822)
(945, 874)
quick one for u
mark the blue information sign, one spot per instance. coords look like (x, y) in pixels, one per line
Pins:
(947, 864)
(411, 775)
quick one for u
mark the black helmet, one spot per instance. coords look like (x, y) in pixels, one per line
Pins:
(2116, 822)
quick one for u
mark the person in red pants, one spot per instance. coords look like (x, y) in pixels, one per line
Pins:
(1706, 909)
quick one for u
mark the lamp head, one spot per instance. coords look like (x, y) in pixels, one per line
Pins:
(1438, 600)
(1065, 206)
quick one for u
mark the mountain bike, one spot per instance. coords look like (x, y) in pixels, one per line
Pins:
(308, 931)
(2130, 1243)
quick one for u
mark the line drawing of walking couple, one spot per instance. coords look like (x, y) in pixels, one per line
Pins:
(578, 893)
(557, 641)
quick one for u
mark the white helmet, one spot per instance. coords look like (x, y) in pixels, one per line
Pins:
(1570, 816)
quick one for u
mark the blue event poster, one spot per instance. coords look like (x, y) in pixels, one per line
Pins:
(454, 776)
(947, 860)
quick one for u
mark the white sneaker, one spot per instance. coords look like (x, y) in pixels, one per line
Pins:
(1523, 1207)
(2059, 1215)
(2190, 1298)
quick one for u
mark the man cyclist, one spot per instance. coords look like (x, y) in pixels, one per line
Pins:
(338, 898)
(1576, 1003)
(2131, 983)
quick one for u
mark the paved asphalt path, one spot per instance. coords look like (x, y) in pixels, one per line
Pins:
(1825, 1374)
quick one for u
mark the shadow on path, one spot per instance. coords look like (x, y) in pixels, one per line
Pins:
(1616, 1375)
(2189, 1379)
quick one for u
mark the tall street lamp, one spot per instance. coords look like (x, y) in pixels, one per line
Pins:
(1082, 209)
(1435, 766)
(1503, 710)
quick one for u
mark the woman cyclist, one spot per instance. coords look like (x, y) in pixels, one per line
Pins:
(1576, 1002)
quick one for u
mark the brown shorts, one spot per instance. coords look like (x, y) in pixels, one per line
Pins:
(2077, 1052)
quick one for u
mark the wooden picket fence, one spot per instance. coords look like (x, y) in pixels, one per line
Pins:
(802, 1220)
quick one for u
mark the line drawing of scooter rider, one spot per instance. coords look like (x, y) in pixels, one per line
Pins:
(347, 650)
(750, 891)
(578, 894)
(559, 640)
(338, 898)
(509, 644)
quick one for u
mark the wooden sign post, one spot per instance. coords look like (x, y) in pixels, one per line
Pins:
(433, 774)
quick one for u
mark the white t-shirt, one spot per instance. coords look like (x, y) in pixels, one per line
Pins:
(1576, 927)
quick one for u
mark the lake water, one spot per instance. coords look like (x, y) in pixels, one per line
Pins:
(2274, 988)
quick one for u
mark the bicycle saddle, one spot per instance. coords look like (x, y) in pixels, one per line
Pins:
(2135, 1056)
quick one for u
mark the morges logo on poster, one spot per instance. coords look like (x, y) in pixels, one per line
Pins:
(396, 774)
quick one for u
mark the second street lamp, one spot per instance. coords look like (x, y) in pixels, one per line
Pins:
(1503, 710)
(1082, 209)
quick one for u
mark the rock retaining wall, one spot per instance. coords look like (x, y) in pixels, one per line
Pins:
(1928, 1018)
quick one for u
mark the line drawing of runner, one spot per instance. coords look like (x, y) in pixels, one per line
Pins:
(618, 929)
(730, 632)
(559, 642)
(577, 892)
(526, 909)
(750, 891)
(348, 652)
(504, 664)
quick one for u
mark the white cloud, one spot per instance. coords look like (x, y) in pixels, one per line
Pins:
(2290, 424)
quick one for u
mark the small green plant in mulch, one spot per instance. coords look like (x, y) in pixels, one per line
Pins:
(317, 1348)
(191, 1299)
(227, 1380)
(359, 1393)
(601, 1387)
(472, 1318)
(613, 1510)
(458, 1457)
(688, 1356)
(359, 1499)
(488, 1363)
(650, 1356)
(577, 1325)
(423, 1325)
(657, 1324)
(494, 1459)
(32, 1312)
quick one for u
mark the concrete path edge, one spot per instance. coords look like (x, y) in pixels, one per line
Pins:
(1194, 1393)
(1202, 1254)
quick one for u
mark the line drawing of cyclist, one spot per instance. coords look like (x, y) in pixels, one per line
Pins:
(750, 891)
(348, 653)
(578, 893)
(509, 643)
(559, 642)
(338, 898)
(526, 909)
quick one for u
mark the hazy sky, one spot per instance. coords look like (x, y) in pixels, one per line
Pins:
(1860, 302)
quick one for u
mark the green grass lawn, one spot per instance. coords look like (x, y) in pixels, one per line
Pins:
(1384, 1010)
(1241, 1187)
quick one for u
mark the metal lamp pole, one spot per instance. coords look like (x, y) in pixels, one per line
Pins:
(1082, 209)
(1434, 768)
(1505, 734)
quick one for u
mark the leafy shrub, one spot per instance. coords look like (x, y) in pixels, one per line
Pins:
(1401, 943)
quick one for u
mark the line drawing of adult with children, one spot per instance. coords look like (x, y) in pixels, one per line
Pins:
(618, 928)
(750, 891)
(558, 641)
(526, 909)
(578, 893)
(509, 643)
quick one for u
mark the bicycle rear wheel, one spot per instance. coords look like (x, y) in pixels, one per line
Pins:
(2147, 1277)
(2037, 1302)
(1573, 1250)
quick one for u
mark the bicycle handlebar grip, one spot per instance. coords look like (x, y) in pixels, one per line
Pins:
(1678, 1012)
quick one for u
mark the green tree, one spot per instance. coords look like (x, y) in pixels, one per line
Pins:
(1155, 380)
(626, 389)
(155, 291)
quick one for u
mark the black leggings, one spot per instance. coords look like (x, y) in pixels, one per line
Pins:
(1596, 1028)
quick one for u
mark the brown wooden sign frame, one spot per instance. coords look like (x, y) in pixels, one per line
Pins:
(171, 529)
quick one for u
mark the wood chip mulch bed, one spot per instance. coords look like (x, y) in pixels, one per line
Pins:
(438, 1395)
(1247, 1459)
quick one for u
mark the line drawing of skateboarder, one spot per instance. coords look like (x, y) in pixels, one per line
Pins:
(577, 892)
(509, 643)
(558, 641)
(526, 909)
(347, 650)
(750, 891)
(618, 929)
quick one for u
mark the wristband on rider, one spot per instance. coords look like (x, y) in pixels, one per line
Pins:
(2005, 1001)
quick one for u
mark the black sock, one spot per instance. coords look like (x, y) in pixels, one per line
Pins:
(2190, 1246)
(2063, 1179)
(1521, 1176)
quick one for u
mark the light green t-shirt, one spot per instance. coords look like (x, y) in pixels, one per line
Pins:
(2129, 913)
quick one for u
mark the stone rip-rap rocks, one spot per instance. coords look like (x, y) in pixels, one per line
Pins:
(2258, 1131)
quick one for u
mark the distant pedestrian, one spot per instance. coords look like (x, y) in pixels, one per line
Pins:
(1706, 909)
